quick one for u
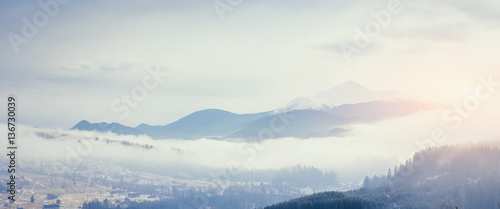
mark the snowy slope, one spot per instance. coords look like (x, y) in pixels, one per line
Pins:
(347, 93)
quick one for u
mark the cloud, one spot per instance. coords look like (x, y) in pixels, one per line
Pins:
(369, 149)
(420, 23)
(483, 9)
(434, 33)
(263, 51)
(106, 67)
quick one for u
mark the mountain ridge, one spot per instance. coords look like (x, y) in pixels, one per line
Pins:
(323, 115)
(349, 92)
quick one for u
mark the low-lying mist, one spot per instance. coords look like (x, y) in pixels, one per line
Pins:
(367, 149)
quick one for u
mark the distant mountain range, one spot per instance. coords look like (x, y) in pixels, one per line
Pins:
(325, 114)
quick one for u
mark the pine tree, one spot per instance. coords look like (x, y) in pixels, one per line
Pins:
(32, 200)
(366, 183)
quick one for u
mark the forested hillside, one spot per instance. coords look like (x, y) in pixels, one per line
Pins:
(443, 177)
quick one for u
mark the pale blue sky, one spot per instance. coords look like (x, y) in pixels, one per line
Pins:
(263, 54)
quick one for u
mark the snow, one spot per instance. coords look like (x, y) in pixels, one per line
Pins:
(347, 93)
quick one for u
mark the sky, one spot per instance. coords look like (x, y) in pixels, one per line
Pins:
(74, 60)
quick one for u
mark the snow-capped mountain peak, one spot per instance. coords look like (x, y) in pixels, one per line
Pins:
(349, 92)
